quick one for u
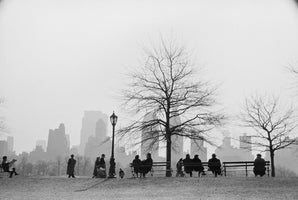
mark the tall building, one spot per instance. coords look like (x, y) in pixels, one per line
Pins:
(3, 148)
(197, 147)
(148, 144)
(41, 143)
(245, 142)
(89, 125)
(57, 143)
(177, 142)
(10, 142)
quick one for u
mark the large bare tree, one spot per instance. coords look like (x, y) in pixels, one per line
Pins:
(167, 87)
(272, 123)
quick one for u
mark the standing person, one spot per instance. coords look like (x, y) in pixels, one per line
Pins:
(136, 165)
(71, 166)
(259, 166)
(179, 168)
(187, 162)
(197, 165)
(214, 165)
(146, 165)
(101, 170)
(96, 165)
(7, 164)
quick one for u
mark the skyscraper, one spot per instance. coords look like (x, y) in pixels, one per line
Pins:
(197, 147)
(41, 143)
(245, 142)
(89, 125)
(148, 144)
(10, 144)
(57, 143)
(177, 142)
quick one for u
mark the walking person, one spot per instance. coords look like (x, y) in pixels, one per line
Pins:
(71, 166)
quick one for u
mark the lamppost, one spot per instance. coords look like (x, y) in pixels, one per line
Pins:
(112, 172)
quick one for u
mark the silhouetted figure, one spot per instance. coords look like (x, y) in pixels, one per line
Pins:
(6, 166)
(179, 168)
(187, 162)
(214, 165)
(71, 166)
(136, 165)
(100, 167)
(146, 165)
(259, 166)
(121, 173)
(198, 167)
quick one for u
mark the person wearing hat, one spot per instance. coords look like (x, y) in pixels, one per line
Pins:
(259, 166)
(71, 166)
(214, 165)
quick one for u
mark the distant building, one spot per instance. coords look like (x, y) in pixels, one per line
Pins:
(89, 126)
(3, 148)
(57, 143)
(150, 142)
(226, 152)
(41, 143)
(10, 142)
(245, 142)
(197, 147)
(74, 150)
(177, 142)
(38, 154)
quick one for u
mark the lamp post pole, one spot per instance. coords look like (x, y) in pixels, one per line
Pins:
(112, 170)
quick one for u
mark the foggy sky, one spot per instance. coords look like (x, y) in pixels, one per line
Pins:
(61, 57)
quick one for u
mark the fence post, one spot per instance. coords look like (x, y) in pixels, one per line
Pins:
(225, 170)
(246, 168)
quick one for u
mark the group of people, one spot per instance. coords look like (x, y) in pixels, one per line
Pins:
(196, 165)
(142, 167)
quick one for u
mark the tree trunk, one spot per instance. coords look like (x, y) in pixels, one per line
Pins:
(272, 163)
(168, 172)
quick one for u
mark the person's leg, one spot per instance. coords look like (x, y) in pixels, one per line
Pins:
(73, 176)
(190, 174)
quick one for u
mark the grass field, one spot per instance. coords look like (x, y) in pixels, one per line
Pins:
(149, 188)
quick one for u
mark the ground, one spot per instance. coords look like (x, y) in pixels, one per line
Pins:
(32, 188)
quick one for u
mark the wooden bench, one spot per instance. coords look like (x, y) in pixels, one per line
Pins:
(247, 165)
(204, 164)
(156, 167)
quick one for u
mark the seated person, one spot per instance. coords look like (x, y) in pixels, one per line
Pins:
(179, 168)
(136, 165)
(214, 165)
(187, 162)
(146, 165)
(197, 165)
(259, 166)
(6, 165)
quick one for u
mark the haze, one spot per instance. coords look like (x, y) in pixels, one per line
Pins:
(61, 57)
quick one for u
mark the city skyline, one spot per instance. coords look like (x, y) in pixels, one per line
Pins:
(69, 63)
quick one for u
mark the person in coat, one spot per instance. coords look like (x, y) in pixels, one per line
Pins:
(136, 165)
(71, 166)
(6, 165)
(197, 165)
(146, 165)
(188, 165)
(214, 165)
(259, 166)
(179, 168)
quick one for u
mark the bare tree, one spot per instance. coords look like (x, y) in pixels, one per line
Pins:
(273, 126)
(167, 87)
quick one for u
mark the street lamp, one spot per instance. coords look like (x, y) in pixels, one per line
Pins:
(112, 172)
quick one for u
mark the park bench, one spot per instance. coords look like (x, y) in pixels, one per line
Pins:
(245, 165)
(156, 167)
(204, 164)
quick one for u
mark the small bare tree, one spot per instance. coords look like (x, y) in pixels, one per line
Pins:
(166, 87)
(273, 126)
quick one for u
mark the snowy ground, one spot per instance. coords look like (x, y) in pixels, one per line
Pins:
(149, 188)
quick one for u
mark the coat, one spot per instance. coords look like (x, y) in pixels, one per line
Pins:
(187, 162)
(71, 166)
(259, 165)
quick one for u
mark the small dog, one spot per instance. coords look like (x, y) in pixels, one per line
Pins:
(121, 173)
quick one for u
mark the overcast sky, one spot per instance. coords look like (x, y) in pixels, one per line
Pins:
(61, 57)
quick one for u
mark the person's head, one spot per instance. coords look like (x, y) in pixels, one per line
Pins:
(213, 155)
(259, 155)
(4, 157)
(71, 155)
(103, 155)
(187, 156)
(137, 157)
(196, 156)
(148, 155)
(181, 159)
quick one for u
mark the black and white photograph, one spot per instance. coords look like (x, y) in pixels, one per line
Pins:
(148, 99)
